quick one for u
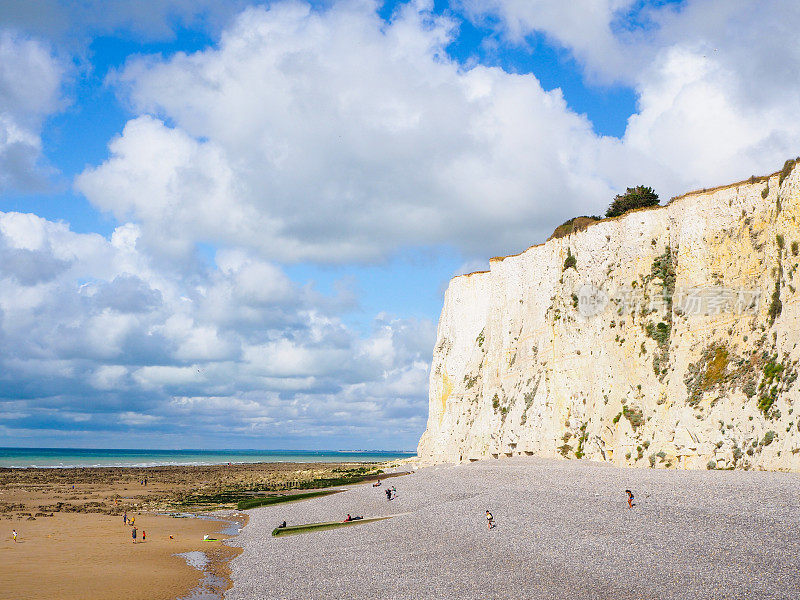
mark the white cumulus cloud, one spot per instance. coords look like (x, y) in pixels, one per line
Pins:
(332, 136)
(30, 90)
(94, 332)
(716, 94)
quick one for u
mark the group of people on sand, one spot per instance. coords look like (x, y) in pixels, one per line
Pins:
(490, 517)
(131, 523)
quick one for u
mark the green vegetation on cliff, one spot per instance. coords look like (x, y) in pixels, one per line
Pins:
(636, 197)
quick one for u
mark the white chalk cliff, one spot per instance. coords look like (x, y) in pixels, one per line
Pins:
(639, 341)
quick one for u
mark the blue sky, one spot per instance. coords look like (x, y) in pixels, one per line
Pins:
(228, 225)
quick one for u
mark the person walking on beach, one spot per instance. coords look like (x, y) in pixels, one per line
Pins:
(388, 493)
(394, 492)
(489, 520)
(629, 494)
(144, 534)
(14, 535)
(133, 534)
(125, 518)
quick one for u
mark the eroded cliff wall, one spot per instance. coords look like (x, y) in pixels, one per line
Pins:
(667, 338)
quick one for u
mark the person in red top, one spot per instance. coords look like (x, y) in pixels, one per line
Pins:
(629, 494)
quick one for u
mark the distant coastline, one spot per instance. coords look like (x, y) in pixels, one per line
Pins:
(90, 457)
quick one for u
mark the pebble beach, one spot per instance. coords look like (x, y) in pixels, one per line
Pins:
(563, 530)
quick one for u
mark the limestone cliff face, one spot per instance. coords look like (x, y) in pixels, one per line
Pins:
(639, 341)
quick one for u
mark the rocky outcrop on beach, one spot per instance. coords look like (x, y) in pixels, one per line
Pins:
(667, 337)
(116, 490)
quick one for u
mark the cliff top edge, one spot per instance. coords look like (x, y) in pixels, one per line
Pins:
(751, 180)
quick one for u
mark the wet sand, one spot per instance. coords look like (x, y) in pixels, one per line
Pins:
(92, 556)
(72, 543)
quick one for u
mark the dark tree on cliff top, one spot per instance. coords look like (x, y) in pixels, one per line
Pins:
(636, 197)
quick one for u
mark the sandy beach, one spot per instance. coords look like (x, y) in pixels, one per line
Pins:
(91, 556)
(563, 531)
(73, 544)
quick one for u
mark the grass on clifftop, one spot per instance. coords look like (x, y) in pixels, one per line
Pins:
(573, 225)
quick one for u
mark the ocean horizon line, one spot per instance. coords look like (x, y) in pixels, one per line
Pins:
(32, 457)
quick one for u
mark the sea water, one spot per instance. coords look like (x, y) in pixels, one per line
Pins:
(80, 457)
